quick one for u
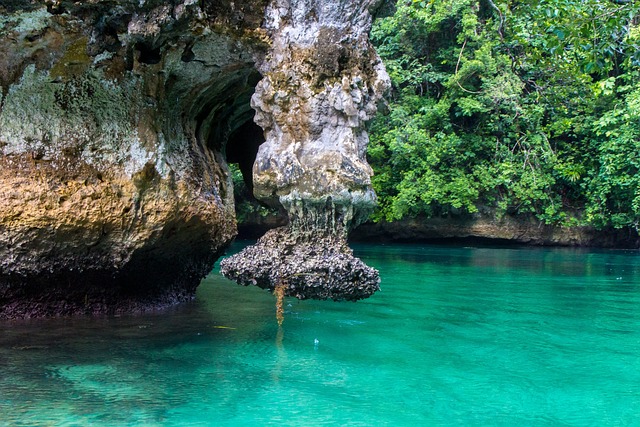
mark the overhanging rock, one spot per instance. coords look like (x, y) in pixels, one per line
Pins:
(114, 191)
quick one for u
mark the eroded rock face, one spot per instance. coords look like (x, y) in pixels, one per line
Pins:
(322, 80)
(114, 192)
(114, 115)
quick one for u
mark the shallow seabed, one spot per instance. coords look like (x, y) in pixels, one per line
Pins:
(458, 336)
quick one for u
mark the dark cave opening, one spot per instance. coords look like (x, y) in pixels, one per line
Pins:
(254, 216)
(224, 124)
(223, 120)
(242, 148)
(148, 54)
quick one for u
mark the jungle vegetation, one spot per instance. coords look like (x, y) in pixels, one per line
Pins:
(525, 107)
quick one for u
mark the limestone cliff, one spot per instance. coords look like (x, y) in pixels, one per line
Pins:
(114, 120)
(114, 193)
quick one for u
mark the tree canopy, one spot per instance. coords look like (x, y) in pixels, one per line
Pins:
(521, 107)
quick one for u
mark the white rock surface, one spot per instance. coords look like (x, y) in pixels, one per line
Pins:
(322, 81)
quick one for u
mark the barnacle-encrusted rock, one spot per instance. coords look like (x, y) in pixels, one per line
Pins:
(322, 267)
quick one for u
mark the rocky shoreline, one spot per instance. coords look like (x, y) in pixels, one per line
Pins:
(480, 230)
(508, 230)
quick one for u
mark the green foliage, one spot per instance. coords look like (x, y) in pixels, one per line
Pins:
(614, 189)
(247, 207)
(528, 107)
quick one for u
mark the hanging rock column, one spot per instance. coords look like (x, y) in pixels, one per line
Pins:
(322, 81)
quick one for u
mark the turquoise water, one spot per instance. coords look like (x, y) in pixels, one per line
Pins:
(458, 336)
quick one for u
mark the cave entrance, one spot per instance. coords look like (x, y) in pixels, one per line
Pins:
(224, 121)
(224, 124)
(242, 149)
(254, 216)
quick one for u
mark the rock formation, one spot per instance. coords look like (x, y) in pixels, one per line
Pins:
(114, 116)
(322, 80)
(114, 192)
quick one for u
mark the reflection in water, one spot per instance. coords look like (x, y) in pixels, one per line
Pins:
(281, 355)
(462, 336)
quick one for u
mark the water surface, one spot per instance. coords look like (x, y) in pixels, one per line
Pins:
(457, 336)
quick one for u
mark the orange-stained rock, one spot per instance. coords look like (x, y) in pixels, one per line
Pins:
(114, 115)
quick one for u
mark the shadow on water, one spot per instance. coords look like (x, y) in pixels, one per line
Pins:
(496, 258)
